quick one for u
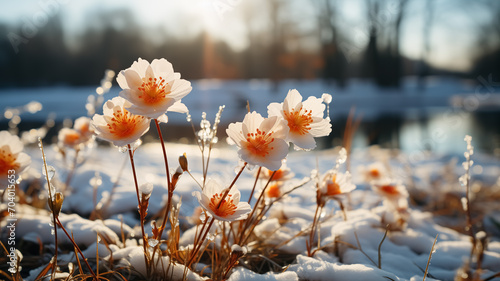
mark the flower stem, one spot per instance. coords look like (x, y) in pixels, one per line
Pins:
(254, 184)
(469, 227)
(76, 247)
(72, 171)
(231, 185)
(196, 236)
(313, 231)
(198, 247)
(169, 185)
(51, 204)
(144, 239)
(249, 218)
(342, 208)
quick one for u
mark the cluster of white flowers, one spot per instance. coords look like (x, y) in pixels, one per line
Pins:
(149, 91)
(264, 141)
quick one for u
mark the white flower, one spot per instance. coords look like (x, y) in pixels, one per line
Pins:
(231, 209)
(69, 137)
(305, 119)
(153, 89)
(118, 125)
(11, 156)
(260, 140)
(394, 192)
(81, 133)
(82, 125)
(336, 183)
(274, 190)
(374, 172)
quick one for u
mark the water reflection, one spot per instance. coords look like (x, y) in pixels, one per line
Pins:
(434, 120)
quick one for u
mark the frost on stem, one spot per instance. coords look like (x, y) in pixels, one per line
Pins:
(123, 149)
(467, 164)
(106, 83)
(146, 189)
(51, 172)
(327, 99)
(152, 242)
(342, 156)
(208, 132)
(96, 180)
(463, 200)
(136, 144)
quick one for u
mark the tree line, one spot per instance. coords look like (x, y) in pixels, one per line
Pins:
(45, 58)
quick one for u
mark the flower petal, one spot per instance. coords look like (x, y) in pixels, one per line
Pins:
(275, 109)
(293, 100)
(140, 66)
(162, 67)
(305, 142)
(320, 127)
(234, 131)
(149, 73)
(179, 107)
(316, 105)
(180, 89)
(251, 122)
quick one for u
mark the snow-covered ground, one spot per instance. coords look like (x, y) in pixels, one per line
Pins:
(349, 247)
(404, 253)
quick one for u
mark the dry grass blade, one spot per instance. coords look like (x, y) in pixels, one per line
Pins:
(430, 256)
(350, 129)
(44, 271)
(380, 247)
(492, 276)
(361, 249)
(97, 255)
(6, 275)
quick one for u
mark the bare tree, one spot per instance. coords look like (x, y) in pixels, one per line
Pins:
(382, 59)
(335, 62)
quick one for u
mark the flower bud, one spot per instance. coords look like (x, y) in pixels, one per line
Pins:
(56, 204)
(183, 162)
(175, 177)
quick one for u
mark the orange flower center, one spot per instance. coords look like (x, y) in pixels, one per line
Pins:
(389, 189)
(71, 138)
(374, 173)
(226, 208)
(7, 162)
(259, 143)
(277, 175)
(333, 188)
(299, 122)
(84, 129)
(273, 191)
(153, 90)
(124, 124)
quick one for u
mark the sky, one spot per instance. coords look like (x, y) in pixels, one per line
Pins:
(452, 35)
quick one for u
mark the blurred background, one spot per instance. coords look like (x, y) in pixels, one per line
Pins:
(416, 74)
